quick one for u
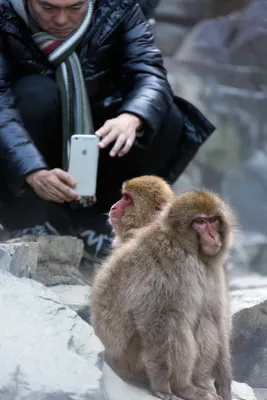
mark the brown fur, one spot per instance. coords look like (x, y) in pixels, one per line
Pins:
(150, 194)
(160, 306)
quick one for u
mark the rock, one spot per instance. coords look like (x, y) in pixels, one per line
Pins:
(261, 393)
(77, 297)
(4, 235)
(237, 38)
(239, 115)
(59, 258)
(251, 281)
(117, 389)
(249, 342)
(247, 298)
(246, 190)
(249, 79)
(190, 179)
(250, 253)
(241, 391)
(19, 259)
(168, 37)
(47, 351)
(192, 11)
(88, 269)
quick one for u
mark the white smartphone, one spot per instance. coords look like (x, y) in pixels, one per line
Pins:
(83, 163)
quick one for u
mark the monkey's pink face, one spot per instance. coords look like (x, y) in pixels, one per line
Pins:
(118, 209)
(208, 229)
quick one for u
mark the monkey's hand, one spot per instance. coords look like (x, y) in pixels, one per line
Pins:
(166, 396)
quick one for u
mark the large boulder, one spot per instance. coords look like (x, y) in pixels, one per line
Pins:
(248, 282)
(242, 299)
(175, 18)
(261, 393)
(47, 351)
(20, 259)
(250, 253)
(168, 37)
(245, 188)
(238, 38)
(239, 115)
(249, 341)
(77, 297)
(192, 11)
(59, 258)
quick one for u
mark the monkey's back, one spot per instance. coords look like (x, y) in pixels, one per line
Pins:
(148, 276)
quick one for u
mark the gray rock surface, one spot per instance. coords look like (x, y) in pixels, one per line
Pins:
(250, 253)
(247, 298)
(248, 282)
(241, 391)
(77, 297)
(245, 186)
(261, 393)
(168, 37)
(59, 258)
(20, 259)
(47, 351)
(234, 39)
(249, 341)
(231, 91)
(191, 11)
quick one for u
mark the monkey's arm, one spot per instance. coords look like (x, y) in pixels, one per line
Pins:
(150, 319)
(223, 368)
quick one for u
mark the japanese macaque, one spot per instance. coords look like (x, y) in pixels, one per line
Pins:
(160, 301)
(142, 198)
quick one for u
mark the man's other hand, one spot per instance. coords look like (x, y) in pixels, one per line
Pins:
(54, 185)
(122, 130)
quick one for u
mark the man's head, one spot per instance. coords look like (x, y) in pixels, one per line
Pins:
(59, 17)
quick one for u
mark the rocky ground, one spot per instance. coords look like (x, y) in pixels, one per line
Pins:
(48, 349)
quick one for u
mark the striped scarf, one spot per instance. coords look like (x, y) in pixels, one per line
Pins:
(76, 115)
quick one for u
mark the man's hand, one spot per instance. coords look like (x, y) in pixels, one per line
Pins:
(122, 130)
(54, 185)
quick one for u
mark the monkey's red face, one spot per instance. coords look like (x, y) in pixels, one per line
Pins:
(208, 229)
(118, 209)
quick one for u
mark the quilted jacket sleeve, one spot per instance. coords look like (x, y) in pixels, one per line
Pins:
(147, 92)
(18, 155)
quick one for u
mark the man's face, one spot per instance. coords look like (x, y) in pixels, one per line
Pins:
(59, 17)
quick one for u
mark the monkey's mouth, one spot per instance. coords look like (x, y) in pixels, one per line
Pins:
(212, 250)
(113, 220)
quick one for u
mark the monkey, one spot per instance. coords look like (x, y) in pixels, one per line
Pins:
(142, 198)
(159, 302)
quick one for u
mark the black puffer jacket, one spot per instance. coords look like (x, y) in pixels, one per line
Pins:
(119, 60)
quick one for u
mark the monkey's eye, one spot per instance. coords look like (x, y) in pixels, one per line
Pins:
(127, 199)
(199, 221)
(214, 219)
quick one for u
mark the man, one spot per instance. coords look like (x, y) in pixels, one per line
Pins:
(143, 129)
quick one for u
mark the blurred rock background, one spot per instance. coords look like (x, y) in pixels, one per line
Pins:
(216, 56)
